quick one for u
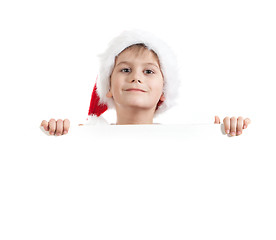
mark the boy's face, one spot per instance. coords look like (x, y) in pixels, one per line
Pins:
(136, 71)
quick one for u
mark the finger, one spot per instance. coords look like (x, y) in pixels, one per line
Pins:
(226, 122)
(44, 124)
(233, 126)
(66, 126)
(52, 126)
(59, 130)
(239, 125)
(217, 120)
(246, 122)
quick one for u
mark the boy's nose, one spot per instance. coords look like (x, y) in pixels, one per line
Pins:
(135, 76)
(136, 80)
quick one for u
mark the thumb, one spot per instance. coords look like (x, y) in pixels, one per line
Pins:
(217, 120)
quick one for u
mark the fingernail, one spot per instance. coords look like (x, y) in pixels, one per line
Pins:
(58, 134)
(239, 132)
(51, 133)
(65, 132)
(233, 133)
(227, 131)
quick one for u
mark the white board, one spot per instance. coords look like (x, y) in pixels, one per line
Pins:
(140, 182)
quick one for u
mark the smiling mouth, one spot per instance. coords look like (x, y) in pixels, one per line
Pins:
(135, 90)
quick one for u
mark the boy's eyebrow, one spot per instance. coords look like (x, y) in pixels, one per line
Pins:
(144, 64)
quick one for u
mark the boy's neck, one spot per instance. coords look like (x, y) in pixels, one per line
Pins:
(134, 116)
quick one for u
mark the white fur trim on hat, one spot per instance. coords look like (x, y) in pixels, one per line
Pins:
(167, 59)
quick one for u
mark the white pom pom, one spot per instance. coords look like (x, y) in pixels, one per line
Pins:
(94, 120)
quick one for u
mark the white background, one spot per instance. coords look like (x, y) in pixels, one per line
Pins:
(48, 67)
(226, 51)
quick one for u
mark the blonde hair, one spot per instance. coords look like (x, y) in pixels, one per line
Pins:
(139, 48)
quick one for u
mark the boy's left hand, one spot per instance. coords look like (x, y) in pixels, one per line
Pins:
(233, 125)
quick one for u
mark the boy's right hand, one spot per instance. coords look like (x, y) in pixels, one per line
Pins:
(58, 127)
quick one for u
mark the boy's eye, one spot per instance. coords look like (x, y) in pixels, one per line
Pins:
(125, 70)
(149, 71)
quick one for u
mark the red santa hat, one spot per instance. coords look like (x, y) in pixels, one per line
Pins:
(168, 63)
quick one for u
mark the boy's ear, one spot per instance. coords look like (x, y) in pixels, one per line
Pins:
(109, 94)
(162, 98)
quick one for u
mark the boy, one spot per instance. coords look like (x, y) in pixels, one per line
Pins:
(138, 77)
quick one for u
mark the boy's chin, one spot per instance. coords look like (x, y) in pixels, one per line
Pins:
(140, 107)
